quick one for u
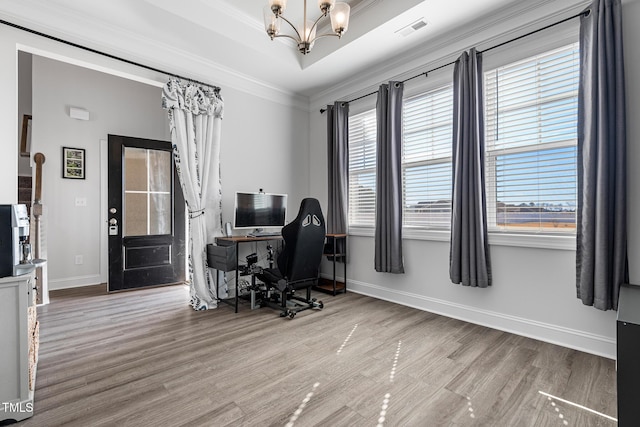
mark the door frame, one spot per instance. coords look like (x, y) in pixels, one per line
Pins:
(104, 235)
(104, 194)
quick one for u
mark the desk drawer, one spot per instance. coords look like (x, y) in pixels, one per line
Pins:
(223, 258)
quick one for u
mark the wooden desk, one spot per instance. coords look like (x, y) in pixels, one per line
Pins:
(236, 241)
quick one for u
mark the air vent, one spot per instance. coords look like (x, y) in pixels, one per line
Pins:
(412, 28)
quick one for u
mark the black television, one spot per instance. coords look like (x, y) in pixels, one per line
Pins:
(259, 210)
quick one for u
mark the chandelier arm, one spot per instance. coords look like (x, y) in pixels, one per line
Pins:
(325, 35)
(315, 24)
(292, 26)
(288, 36)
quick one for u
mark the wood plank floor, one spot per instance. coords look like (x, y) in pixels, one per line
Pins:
(145, 358)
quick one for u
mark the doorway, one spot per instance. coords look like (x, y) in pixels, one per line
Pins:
(146, 215)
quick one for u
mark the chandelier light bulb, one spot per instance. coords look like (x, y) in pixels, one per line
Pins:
(271, 22)
(326, 5)
(340, 18)
(278, 6)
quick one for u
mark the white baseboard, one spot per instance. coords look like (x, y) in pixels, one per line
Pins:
(75, 282)
(554, 334)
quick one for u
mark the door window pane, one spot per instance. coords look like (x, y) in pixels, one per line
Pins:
(135, 169)
(135, 212)
(160, 214)
(148, 197)
(160, 165)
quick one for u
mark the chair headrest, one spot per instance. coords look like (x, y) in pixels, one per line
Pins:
(310, 213)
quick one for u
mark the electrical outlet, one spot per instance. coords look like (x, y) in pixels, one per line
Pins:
(81, 201)
(79, 260)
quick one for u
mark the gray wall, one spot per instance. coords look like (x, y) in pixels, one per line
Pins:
(253, 155)
(533, 292)
(24, 105)
(116, 106)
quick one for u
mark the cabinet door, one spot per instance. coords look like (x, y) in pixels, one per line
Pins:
(628, 359)
(14, 352)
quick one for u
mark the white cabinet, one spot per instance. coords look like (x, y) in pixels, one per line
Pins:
(18, 346)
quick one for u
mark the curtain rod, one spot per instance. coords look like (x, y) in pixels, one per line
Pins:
(426, 73)
(108, 55)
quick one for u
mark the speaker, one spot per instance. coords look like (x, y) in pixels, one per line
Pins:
(227, 229)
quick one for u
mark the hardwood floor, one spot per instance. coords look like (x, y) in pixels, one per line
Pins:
(145, 358)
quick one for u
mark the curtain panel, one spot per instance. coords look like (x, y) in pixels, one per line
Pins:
(195, 119)
(601, 252)
(388, 222)
(338, 171)
(469, 262)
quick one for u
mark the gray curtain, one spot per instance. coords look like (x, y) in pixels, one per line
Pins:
(388, 234)
(601, 255)
(469, 262)
(338, 171)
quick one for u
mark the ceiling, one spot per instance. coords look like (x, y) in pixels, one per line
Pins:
(226, 36)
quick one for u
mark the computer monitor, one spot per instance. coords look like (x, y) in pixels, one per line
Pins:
(259, 210)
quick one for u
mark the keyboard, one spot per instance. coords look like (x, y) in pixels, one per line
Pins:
(264, 234)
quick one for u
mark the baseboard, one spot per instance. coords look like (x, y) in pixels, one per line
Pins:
(554, 334)
(75, 282)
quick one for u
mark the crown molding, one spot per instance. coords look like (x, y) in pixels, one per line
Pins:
(146, 50)
(446, 47)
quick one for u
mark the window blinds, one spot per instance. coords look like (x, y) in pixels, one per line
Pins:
(426, 158)
(362, 169)
(531, 133)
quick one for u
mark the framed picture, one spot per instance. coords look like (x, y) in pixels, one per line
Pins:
(25, 138)
(73, 163)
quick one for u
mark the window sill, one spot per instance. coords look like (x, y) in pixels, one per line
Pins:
(540, 241)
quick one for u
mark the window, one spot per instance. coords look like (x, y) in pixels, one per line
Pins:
(531, 134)
(362, 169)
(426, 158)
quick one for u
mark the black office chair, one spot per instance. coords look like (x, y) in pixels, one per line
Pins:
(298, 264)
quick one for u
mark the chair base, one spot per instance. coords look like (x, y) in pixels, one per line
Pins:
(290, 304)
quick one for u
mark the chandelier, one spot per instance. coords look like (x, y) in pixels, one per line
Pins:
(306, 36)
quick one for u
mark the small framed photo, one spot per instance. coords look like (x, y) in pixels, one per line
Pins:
(73, 163)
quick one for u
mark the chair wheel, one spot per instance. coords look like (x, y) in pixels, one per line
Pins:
(321, 305)
(292, 314)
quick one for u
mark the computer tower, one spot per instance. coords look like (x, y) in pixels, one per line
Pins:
(6, 241)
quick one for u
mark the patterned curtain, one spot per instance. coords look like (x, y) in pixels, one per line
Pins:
(195, 119)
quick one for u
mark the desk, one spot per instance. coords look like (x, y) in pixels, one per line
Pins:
(235, 241)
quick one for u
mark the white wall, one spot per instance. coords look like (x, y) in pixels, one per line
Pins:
(264, 145)
(24, 105)
(533, 292)
(265, 140)
(8, 119)
(116, 106)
